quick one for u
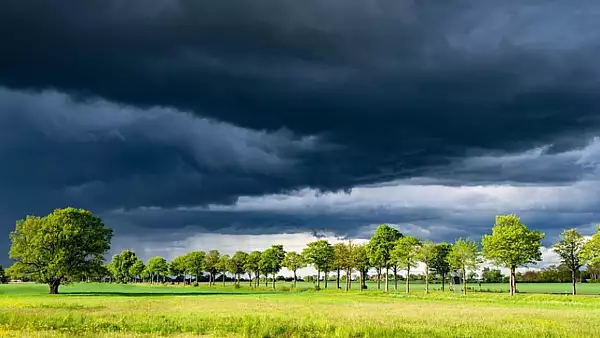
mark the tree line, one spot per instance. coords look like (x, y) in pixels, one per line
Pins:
(69, 245)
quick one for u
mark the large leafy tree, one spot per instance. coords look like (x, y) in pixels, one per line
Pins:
(61, 246)
(440, 264)
(406, 254)
(195, 263)
(512, 244)
(211, 264)
(137, 268)
(253, 266)
(223, 266)
(178, 266)
(238, 264)
(121, 265)
(157, 267)
(349, 262)
(340, 254)
(361, 263)
(294, 261)
(380, 249)
(320, 255)
(271, 261)
(570, 249)
(464, 256)
(428, 255)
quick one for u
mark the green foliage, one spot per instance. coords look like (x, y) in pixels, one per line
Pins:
(211, 261)
(360, 258)
(464, 255)
(440, 264)
(381, 245)
(428, 253)
(195, 263)
(121, 265)
(293, 261)
(157, 266)
(253, 262)
(223, 264)
(591, 249)
(178, 266)
(319, 254)
(137, 268)
(570, 249)
(340, 255)
(511, 243)
(406, 252)
(237, 264)
(492, 275)
(61, 246)
(271, 260)
(3, 277)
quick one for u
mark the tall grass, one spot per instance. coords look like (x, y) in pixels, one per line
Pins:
(133, 311)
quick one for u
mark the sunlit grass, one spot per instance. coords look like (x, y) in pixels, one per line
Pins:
(102, 310)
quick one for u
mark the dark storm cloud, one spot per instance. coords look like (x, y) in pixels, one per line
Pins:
(399, 85)
(102, 156)
(192, 102)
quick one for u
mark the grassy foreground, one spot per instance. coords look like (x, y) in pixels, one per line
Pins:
(103, 310)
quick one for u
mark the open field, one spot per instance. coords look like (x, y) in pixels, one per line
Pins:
(106, 310)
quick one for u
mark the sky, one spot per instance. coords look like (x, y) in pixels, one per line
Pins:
(195, 124)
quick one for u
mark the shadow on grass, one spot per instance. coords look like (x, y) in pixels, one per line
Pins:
(160, 294)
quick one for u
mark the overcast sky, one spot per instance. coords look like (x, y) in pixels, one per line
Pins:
(193, 124)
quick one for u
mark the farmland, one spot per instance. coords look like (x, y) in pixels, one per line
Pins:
(112, 310)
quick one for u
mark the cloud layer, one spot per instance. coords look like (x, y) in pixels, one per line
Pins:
(259, 117)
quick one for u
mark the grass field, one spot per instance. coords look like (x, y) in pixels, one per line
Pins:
(108, 310)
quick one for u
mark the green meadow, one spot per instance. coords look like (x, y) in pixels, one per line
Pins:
(113, 310)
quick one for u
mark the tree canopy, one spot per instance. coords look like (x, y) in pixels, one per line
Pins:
(570, 249)
(512, 244)
(464, 256)
(61, 246)
(320, 255)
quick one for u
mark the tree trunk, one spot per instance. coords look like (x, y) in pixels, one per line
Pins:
(350, 279)
(53, 287)
(223, 279)
(347, 280)
(266, 280)
(378, 278)
(443, 282)
(325, 275)
(395, 277)
(338, 278)
(464, 281)
(387, 279)
(426, 279)
(362, 279)
(574, 280)
(408, 279)
(318, 279)
(295, 279)
(512, 281)
(274, 281)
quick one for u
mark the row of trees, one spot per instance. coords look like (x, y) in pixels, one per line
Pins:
(70, 244)
(511, 245)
